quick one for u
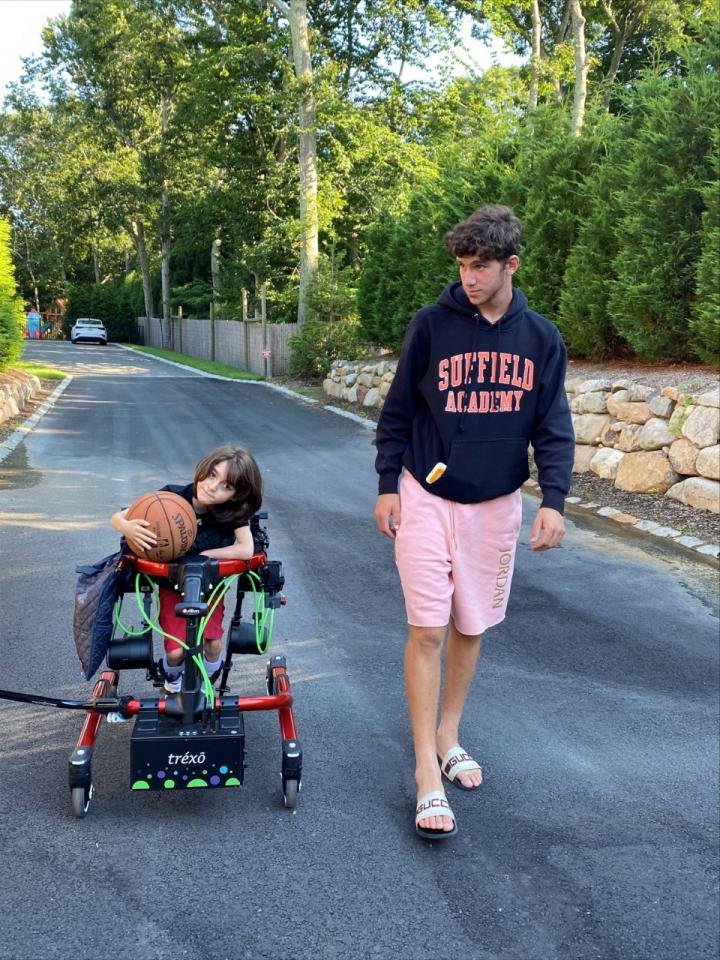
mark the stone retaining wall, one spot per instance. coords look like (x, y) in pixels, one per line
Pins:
(16, 388)
(649, 440)
(645, 439)
(359, 381)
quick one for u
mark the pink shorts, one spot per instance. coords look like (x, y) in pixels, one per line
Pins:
(455, 559)
(175, 625)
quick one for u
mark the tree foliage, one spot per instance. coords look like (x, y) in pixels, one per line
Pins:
(665, 174)
(164, 152)
(11, 309)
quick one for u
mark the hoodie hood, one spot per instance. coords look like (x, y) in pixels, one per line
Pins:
(454, 298)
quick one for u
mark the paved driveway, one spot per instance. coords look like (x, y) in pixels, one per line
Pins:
(594, 712)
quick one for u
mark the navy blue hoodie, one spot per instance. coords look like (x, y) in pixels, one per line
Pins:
(473, 395)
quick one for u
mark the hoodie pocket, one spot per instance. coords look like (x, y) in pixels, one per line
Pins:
(483, 469)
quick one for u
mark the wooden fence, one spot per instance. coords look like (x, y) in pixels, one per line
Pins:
(250, 345)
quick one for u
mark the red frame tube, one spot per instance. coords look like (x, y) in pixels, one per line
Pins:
(279, 701)
(88, 734)
(226, 568)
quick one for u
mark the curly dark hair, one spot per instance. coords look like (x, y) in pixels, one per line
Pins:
(243, 474)
(491, 232)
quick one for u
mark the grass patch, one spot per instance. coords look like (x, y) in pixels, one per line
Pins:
(39, 370)
(208, 366)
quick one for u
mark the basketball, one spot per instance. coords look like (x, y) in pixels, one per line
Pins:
(171, 519)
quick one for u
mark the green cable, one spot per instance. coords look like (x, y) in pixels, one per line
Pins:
(197, 658)
(262, 616)
(220, 588)
(128, 631)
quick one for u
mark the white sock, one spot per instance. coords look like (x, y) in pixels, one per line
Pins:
(211, 666)
(172, 672)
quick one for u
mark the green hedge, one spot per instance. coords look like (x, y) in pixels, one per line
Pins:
(12, 315)
(407, 263)
(116, 304)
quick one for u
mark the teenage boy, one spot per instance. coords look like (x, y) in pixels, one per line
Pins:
(480, 377)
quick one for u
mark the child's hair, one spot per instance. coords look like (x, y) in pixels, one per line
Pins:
(491, 232)
(243, 474)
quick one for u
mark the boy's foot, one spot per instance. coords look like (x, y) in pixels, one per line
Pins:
(173, 686)
(434, 820)
(460, 768)
(437, 816)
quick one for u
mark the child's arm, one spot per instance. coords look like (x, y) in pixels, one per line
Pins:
(134, 531)
(242, 549)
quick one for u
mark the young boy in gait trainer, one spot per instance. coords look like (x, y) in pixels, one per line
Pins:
(225, 493)
(480, 377)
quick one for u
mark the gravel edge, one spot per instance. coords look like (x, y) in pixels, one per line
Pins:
(708, 552)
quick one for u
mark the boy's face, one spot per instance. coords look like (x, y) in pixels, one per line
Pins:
(214, 489)
(485, 280)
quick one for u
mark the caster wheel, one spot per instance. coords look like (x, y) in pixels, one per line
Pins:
(80, 799)
(290, 793)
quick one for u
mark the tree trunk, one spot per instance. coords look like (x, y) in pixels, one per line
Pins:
(215, 269)
(96, 264)
(535, 60)
(296, 13)
(165, 235)
(581, 67)
(33, 278)
(619, 39)
(137, 232)
(59, 257)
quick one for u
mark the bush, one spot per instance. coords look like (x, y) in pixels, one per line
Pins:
(705, 320)
(333, 331)
(12, 316)
(319, 342)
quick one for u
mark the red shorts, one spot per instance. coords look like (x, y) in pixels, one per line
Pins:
(175, 625)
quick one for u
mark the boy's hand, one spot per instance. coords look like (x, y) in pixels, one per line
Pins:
(387, 514)
(548, 529)
(136, 532)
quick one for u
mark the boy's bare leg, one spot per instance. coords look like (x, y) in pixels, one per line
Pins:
(461, 656)
(422, 683)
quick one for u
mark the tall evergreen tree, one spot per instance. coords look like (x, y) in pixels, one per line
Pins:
(665, 169)
(705, 319)
(11, 308)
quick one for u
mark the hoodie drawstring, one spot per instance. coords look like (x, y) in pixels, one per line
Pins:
(461, 423)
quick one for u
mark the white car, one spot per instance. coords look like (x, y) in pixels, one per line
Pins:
(86, 328)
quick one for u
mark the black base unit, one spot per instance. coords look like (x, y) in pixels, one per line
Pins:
(165, 755)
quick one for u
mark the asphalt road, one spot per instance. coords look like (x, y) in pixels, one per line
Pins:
(594, 714)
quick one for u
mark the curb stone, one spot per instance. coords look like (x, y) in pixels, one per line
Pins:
(18, 435)
(690, 545)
